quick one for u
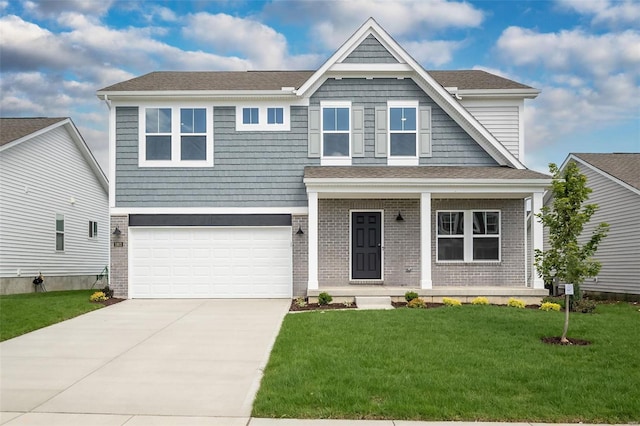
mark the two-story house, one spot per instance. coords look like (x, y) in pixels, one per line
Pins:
(367, 175)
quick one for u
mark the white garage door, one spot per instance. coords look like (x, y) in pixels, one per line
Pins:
(223, 262)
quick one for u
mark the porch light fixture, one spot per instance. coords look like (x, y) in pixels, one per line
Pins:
(399, 218)
(117, 232)
(299, 231)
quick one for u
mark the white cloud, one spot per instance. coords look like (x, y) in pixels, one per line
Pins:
(260, 45)
(332, 23)
(572, 50)
(436, 52)
(616, 14)
(51, 9)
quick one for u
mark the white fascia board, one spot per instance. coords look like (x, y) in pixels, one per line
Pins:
(34, 134)
(427, 185)
(499, 93)
(115, 211)
(600, 172)
(196, 94)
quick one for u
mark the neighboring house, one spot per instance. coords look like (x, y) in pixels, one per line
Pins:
(54, 207)
(615, 183)
(369, 175)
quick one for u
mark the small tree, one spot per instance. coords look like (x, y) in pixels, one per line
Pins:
(566, 260)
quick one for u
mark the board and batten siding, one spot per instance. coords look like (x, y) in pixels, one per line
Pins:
(503, 121)
(251, 169)
(619, 252)
(450, 144)
(40, 177)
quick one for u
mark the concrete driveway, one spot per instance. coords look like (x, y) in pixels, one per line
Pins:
(195, 358)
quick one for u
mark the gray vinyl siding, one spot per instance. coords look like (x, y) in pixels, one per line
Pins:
(450, 144)
(370, 51)
(250, 168)
(619, 252)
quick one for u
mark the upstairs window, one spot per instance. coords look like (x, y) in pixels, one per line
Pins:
(250, 116)
(468, 236)
(275, 115)
(262, 118)
(403, 132)
(158, 134)
(336, 133)
(176, 137)
(59, 232)
(93, 230)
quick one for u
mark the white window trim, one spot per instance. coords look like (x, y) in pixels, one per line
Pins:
(351, 212)
(55, 227)
(332, 160)
(175, 137)
(262, 125)
(403, 160)
(469, 236)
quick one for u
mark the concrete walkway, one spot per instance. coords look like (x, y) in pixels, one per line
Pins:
(201, 359)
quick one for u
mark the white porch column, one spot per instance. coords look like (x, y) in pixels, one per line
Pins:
(425, 240)
(313, 241)
(536, 236)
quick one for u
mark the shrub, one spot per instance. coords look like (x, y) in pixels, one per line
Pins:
(98, 296)
(480, 301)
(450, 301)
(300, 302)
(549, 306)
(515, 303)
(108, 293)
(324, 298)
(585, 306)
(558, 300)
(416, 303)
(410, 295)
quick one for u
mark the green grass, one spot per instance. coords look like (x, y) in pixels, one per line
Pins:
(471, 363)
(22, 313)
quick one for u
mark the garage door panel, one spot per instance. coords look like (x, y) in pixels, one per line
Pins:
(210, 262)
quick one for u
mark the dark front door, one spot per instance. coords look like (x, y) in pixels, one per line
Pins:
(366, 246)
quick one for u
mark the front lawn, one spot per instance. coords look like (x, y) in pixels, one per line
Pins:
(470, 363)
(22, 313)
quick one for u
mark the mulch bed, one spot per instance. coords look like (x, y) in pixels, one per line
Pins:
(111, 301)
(317, 307)
(572, 342)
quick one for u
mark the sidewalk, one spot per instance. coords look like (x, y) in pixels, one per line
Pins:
(66, 419)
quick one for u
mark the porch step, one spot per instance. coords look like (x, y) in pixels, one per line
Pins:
(373, 302)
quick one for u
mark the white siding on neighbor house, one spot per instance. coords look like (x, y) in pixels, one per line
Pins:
(503, 120)
(619, 252)
(38, 179)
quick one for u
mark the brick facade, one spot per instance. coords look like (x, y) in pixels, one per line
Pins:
(119, 267)
(300, 255)
(401, 241)
(509, 272)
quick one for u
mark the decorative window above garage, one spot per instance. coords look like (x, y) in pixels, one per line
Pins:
(262, 118)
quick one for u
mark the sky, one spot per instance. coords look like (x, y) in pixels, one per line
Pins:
(584, 55)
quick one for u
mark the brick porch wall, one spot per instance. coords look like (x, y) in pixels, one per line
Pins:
(509, 272)
(300, 255)
(119, 266)
(401, 240)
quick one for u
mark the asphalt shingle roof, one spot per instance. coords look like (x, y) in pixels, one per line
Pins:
(276, 80)
(420, 172)
(12, 129)
(622, 166)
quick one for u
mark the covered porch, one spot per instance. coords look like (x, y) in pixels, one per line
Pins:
(380, 231)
